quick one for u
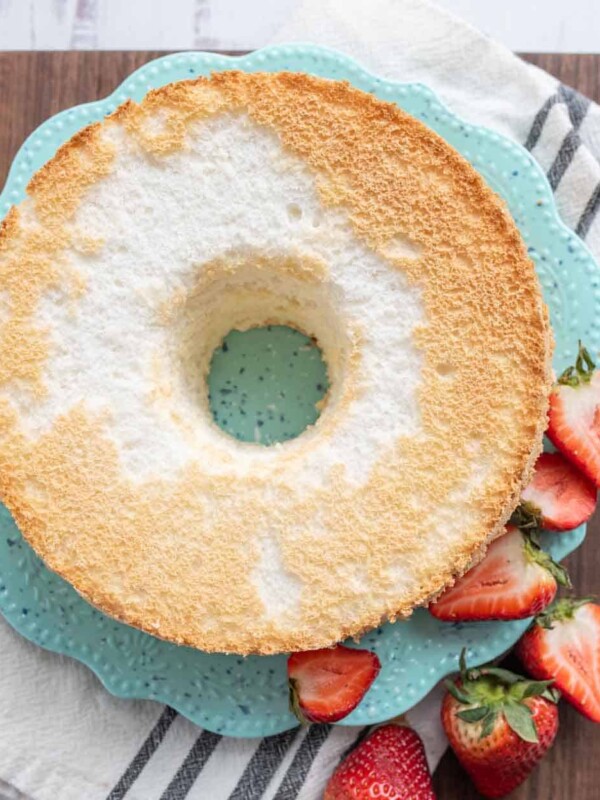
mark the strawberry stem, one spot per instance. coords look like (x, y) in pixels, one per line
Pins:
(490, 691)
(535, 553)
(561, 610)
(462, 662)
(582, 371)
(526, 516)
(295, 707)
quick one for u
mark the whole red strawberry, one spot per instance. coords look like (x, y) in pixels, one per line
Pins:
(563, 645)
(499, 725)
(389, 764)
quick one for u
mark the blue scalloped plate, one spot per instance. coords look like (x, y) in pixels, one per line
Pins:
(248, 697)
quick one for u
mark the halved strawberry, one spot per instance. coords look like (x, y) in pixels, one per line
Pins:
(574, 415)
(499, 726)
(563, 645)
(559, 497)
(390, 763)
(326, 685)
(516, 579)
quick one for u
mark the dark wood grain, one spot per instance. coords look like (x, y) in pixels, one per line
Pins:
(571, 771)
(33, 86)
(582, 72)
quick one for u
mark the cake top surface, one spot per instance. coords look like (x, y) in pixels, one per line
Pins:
(232, 202)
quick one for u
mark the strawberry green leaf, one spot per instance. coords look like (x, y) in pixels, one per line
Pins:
(467, 675)
(526, 516)
(459, 695)
(534, 535)
(489, 722)
(294, 699)
(535, 553)
(584, 358)
(503, 675)
(534, 688)
(582, 371)
(561, 610)
(559, 573)
(552, 694)
(569, 378)
(462, 661)
(545, 620)
(518, 718)
(474, 714)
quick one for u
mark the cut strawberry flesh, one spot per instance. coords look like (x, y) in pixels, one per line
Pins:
(328, 684)
(565, 497)
(506, 585)
(574, 424)
(569, 653)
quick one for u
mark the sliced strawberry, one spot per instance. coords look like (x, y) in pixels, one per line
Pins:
(563, 645)
(499, 725)
(574, 415)
(390, 763)
(326, 685)
(559, 497)
(516, 579)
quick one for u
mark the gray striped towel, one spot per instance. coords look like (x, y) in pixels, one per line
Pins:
(62, 736)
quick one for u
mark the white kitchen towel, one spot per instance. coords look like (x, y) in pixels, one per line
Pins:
(62, 737)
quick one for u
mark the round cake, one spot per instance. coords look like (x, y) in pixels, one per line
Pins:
(237, 201)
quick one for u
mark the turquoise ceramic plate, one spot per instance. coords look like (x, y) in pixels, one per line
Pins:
(248, 697)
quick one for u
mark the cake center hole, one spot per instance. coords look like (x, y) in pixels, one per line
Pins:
(266, 384)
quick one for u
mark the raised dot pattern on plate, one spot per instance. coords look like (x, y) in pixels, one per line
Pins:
(248, 697)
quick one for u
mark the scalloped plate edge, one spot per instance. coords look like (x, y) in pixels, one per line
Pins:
(252, 62)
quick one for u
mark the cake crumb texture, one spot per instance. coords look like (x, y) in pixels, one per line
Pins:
(239, 200)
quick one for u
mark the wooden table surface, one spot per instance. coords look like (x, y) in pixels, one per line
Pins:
(35, 85)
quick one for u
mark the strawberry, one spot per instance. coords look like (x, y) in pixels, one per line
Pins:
(390, 764)
(559, 497)
(516, 579)
(499, 725)
(574, 415)
(563, 645)
(326, 685)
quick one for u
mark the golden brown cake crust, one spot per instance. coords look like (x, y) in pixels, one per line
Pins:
(486, 349)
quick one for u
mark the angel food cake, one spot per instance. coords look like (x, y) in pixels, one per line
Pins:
(238, 201)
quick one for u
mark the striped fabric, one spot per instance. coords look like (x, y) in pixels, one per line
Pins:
(176, 760)
(275, 768)
(295, 765)
(572, 159)
(62, 736)
(128, 752)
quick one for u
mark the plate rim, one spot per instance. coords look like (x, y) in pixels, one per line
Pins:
(252, 61)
